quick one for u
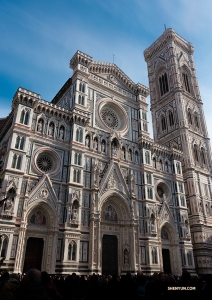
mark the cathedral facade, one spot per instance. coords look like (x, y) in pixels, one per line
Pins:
(86, 189)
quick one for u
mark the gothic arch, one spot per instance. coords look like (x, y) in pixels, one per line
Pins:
(46, 209)
(119, 203)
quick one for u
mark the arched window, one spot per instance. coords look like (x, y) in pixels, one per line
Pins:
(182, 200)
(81, 136)
(14, 161)
(148, 178)
(195, 153)
(163, 123)
(18, 166)
(149, 191)
(171, 119)
(22, 143)
(163, 83)
(75, 158)
(154, 256)
(78, 176)
(83, 100)
(196, 122)
(72, 249)
(83, 88)
(26, 120)
(75, 176)
(186, 82)
(79, 99)
(147, 157)
(178, 168)
(3, 246)
(77, 135)
(22, 116)
(136, 156)
(17, 142)
(202, 156)
(80, 87)
(79, 159)
(189, 117)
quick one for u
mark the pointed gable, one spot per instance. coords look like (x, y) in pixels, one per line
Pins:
(113, 180)
(44, 191)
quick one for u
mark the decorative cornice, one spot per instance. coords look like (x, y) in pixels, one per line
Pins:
(168, 36)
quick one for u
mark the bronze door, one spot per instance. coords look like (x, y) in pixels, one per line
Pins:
(166, 261)
(109, 255)
(34, 253)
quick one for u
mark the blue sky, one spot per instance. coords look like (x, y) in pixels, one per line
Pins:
(38, 39)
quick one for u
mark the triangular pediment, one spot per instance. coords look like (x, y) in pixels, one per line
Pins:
(165, 215)
(113, 180)
(44, 191)
(113, 74)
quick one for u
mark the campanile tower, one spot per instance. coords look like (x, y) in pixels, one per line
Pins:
(179, 122)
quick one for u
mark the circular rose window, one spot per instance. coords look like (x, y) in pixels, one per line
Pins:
(46, 161)
(162, 191)
(110, 118)
(112, 115)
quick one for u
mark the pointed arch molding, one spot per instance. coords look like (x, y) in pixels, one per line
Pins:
(113, 180)
(43, 192)
(118, 202)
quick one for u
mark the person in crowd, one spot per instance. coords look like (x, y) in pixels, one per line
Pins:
(31, 288)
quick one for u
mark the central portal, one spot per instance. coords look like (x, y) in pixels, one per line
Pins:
(166, 261)
(34, 253)
(109, 255)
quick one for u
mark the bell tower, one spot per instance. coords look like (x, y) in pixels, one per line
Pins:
(179, 122)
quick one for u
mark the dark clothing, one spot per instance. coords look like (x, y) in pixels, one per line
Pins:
(31, 291)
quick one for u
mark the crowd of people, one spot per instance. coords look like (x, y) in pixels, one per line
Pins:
(36, 285)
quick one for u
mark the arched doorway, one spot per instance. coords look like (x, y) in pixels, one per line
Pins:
(37, 240)
(170, 259)
(117, 250)
(37, 226)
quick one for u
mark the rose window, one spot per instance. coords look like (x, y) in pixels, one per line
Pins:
(110, 118)
(44, 163)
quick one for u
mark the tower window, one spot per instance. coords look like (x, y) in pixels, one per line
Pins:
(186, 82)
(195, 153)
(163, 82)
(163, 123)
(171, 119)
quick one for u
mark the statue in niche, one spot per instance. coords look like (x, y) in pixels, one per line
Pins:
(95, 144)
(74, 215)
(87, 141)
(96, 174)
(40, 126)
(103, 146)
(8, 206)
(152, 222)
(51, 130)
(126, 257)
(61, 135)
